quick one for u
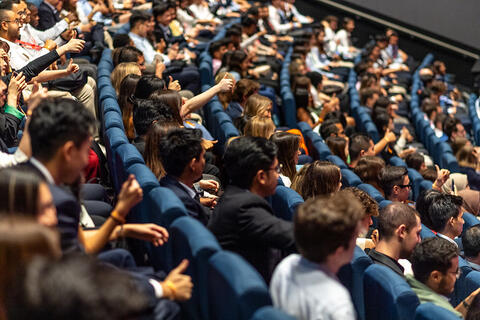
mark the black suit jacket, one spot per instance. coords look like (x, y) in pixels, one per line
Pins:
(380, 258)
(194, 207)
(243, 222)
(48, 18)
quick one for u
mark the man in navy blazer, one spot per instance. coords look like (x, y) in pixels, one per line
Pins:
(48, 14)
(183, 158)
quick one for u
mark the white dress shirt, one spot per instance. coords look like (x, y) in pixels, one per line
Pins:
(20, 56)
(31, 35)
(307, 291)
(276, 20)
(143, 45)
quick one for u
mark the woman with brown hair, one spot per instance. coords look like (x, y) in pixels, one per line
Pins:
(319, 178)
(468, 160)
(338, 146)
(21, 240)
(259, 127)
(368, 169)
(152, 150)
(121, 71)
(288, 151)
(125, 94)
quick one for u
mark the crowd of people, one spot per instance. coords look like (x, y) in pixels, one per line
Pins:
(62, 224)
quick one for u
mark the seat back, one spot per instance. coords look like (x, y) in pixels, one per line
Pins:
(472, 281)
(236, 290)
(351, 275)
(429, 311)
(426, 232)
(190, 240)
(374, 193)
(270, 313)
(388, 295)
(349, 178)
(285, 202)
(460, 291)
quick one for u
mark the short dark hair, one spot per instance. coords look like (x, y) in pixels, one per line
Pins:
(136, 18)
(215, 46)
(322, 225)
(393, 216)
(121, 40)
(315, 78)
(392, 176)
(328, 129)
(471, 242)
(245, 156)
(147, 85)
(160, 8)
(450, 126)
(88, 289)
(432, 254)
(144, 113)
(415, 160)
(248, 20)
(126, 54)
(367, 93)
(424, 202)
(442, 208)
(178, 148)
(381, 118)
(54, 122)
(358, 143)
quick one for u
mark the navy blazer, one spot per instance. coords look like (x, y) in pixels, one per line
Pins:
(194, 207)
(243, 222)
(48, 18)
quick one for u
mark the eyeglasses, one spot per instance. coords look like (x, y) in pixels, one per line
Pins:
(278, 168)
(404, 186)
(17, 21)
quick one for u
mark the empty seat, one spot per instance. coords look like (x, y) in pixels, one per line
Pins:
(351, 275)
(270, 313)
(190, 240)
(388, 295)
(236, 290)
(430, 311)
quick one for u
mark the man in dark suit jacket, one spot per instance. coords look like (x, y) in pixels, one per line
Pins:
(399, 229)
(243, 221)
(48, 14)
(183, 158)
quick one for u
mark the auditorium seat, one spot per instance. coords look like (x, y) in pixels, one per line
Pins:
(426, 232)
(351, 275)
(415, 180)
(470, 221)
(113, 119)
(285, 202)
(189, 239)
(374, 193)
(398, 162)
(349, 178)
(388, 295)
(430, 311)
(125, 156)
(336, 160)
(111, 104)
(236, 290)
(383, 204)
(450, 162)
(270, 313)
(460, 292)
(472, 281)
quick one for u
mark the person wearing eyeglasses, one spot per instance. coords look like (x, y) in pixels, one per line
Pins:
(435, 268)
(243, 221)
(395, 183)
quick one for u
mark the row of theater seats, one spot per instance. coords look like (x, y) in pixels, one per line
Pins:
(440, 151)
(289, 108)
(473, 102)
(226, 286)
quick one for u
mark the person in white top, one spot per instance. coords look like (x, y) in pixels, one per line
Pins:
(343, 39)
(277, 18)
(298, 17)
(138, 33)
(305, 286)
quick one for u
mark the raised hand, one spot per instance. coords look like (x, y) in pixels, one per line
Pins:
(129, 196)
(178, 286)
(174, 85)
(37, 95)
(226, 84)
(72, 67)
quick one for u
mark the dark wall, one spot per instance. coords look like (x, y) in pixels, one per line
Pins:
(457, 64)
(453, 19)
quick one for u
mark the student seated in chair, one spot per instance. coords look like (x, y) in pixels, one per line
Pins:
(325, 233)
(471, 247)
(435, 267)
(399, 232)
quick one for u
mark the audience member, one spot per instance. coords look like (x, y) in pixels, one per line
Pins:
(243, 220)
(288, 145)
(395, 183)
(398, 233)
(369, 169)
(360, 145)
(319, 178)
(325, 234)
(435, 270)
(469, 164)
